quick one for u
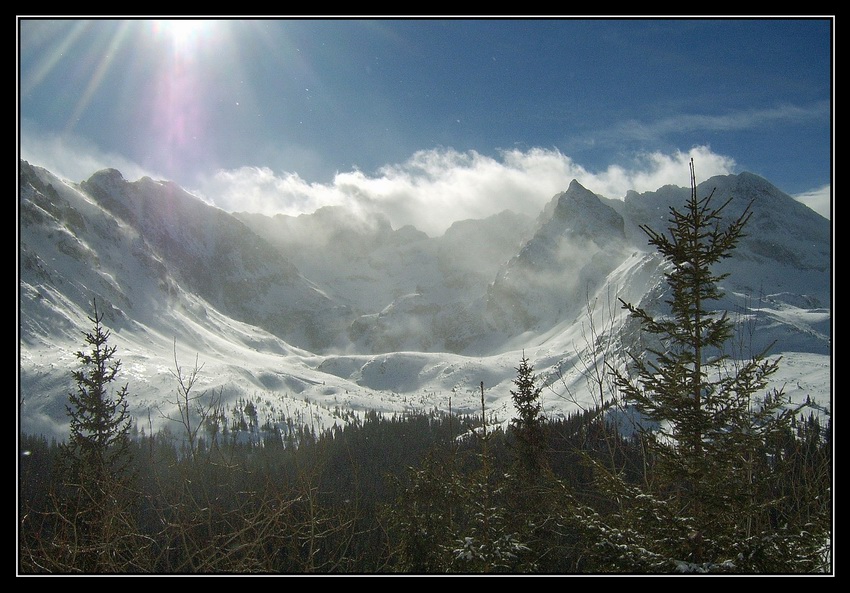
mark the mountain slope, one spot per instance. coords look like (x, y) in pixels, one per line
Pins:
(780, 273)
(313, 314)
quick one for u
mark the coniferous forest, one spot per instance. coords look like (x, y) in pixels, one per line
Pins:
(722, 476)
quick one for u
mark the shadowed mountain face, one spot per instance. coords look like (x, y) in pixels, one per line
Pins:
(165, 266)
(579, 240)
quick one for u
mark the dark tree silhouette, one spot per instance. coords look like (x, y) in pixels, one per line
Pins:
(528, 424)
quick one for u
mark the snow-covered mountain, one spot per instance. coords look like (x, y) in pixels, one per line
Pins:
(579, 241)
(333, 310)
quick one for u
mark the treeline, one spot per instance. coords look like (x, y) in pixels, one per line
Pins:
(383, 494)
(304, 502)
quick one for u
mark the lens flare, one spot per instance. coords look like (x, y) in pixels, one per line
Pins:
(186, 35)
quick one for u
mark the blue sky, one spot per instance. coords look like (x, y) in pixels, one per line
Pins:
(432, 120)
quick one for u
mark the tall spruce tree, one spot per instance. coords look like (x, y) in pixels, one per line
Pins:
(708, 503)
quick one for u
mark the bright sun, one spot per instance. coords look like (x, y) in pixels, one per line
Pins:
(184, 33)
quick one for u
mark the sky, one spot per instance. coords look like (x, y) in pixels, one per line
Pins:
(429, 120)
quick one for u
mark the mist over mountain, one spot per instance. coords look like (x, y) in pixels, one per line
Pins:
(403, 289)
(579, 241)
(337, 309)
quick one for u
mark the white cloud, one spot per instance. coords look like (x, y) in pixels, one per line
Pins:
(259, 189)
(430, 191)
(819, 200)
(437, 187)
(739, 120)
(649, 171)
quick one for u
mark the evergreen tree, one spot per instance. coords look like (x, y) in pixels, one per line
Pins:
(99, 422)
(453, 517)
(97, 456)
(707, 501)
(528, 424)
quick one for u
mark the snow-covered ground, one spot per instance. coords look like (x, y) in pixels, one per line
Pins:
(239, 361)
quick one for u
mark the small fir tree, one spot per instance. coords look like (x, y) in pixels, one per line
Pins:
(528, 424)
(97, 455)
(100, 424)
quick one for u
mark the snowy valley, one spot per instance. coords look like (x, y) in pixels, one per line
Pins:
(320, 315)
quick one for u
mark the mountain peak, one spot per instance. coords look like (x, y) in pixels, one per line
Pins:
(106, 176)
(575, 186)
(581, 213)
(578, 242)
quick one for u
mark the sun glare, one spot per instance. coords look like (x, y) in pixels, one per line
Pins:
(185, 34)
